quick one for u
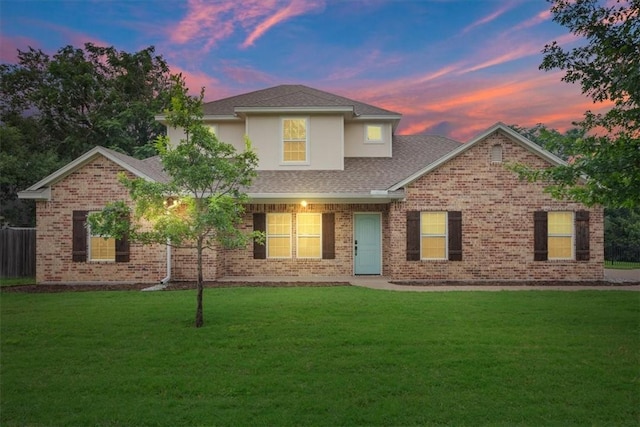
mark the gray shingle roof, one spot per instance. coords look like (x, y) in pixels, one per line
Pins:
(290, 96)
(411, 153)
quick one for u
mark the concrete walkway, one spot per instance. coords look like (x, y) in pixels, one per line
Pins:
(615, 277)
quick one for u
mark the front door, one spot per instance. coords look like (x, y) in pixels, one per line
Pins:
(367, 244)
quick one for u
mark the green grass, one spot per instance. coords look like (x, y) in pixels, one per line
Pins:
(320, 356)
(622, 265)
(14, 281)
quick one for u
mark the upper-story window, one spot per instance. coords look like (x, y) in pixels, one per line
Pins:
(373, 134)
(295, 147)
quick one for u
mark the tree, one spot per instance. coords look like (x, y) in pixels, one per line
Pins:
(201, 205)
(66, 104)
(604, 163)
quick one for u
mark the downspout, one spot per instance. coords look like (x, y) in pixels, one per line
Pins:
(166, 279)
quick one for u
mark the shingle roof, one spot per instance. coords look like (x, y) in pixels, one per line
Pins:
(290, 96)
(361, 174)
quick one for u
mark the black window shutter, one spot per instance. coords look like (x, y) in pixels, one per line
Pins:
(328, 236)
(259, 224)
(455, 235)
(79, 238)
(413, 236)
(122, 249)
(582, 236)
(540, 236)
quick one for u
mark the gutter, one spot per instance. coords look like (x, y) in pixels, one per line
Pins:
(168, 277)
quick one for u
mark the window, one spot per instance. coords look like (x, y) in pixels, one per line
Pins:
(102, 249)
(278, 235)
(88, 247)
(373, 133)
(294, 140)
(560, 235)
(496, 154)
(433, 235)
(309, 235)
(316, 235)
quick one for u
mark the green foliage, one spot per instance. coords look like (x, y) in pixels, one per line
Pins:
(339, 356)
(202, 204)
(606, 151)
(55, 108)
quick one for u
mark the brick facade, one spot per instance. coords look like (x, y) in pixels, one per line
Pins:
(497, 220)
(497, 228)
(88, 188)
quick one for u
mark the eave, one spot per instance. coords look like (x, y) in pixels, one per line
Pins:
(338, 198)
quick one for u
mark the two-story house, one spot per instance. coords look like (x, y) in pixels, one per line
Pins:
(339, 193)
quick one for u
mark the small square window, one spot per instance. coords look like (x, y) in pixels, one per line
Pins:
(373, 133)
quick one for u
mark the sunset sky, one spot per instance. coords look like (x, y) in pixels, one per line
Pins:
(450, 67)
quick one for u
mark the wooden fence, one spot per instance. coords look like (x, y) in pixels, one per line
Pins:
(17, 252)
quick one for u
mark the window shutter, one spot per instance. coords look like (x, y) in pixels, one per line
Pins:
(455, 235)
(413, 236)
(540, 236)
(582, 236)
(79, 238)
(259, 224)
(122, 248)
(328, 236)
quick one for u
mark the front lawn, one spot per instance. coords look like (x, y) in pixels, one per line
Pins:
(320, 356)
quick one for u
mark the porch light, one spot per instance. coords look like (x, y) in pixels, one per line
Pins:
(170, 203)
(303, 203)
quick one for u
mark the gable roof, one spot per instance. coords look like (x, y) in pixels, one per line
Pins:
(149, 169)
(498, 127)
(293, 98)
(363, 178)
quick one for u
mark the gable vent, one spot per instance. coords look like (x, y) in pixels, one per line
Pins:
(496, 154)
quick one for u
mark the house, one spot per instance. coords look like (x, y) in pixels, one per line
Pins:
(338, 193)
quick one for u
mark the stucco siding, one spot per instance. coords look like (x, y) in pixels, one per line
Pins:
(355, 145)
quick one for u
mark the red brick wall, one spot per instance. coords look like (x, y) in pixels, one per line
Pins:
(497, 220)
(89, 188)
(240, 262)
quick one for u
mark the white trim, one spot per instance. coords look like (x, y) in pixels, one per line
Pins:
(39, 191)
(515, 136)
(446, 236)
(279, 235)
(292, 110)
(298, 235)
(371, 197)
(573, 236)
(366, 133)
(307, 142)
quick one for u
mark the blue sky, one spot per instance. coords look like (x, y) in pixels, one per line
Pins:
(450, 67)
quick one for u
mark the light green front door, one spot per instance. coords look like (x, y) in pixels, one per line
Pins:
(367, 244)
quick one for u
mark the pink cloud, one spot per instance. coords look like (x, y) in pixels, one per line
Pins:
(244, 75)
(545, 15)
(294, 8)
(491, 17)
(9, 47)
(211, 22)
(197, 80)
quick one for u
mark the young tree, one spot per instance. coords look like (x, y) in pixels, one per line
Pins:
(201, 205)
(607, 66)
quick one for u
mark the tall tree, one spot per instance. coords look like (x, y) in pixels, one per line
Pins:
(607, 66)
(201, 205)
(65, 104)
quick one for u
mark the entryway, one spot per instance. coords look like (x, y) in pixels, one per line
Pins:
(367, 244)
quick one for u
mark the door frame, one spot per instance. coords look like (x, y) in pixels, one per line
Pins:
(353, 239)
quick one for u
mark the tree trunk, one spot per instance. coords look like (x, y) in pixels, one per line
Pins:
(199, 317)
